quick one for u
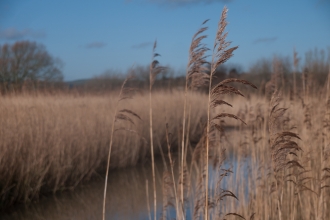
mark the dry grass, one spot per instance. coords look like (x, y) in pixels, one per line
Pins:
(52, 143)
(275, 167)
(281, 150)
(287, 176)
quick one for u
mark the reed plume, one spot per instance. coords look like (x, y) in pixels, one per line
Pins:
(154, 70)
(220, 55)
(196, 77)
(284, 153)
(119, 115)
(325, 166)
(295, 65)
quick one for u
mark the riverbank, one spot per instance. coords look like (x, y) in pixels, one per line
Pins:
(55, 142)
(51, 144)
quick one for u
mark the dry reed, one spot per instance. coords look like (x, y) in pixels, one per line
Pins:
(118, 115)
(155, 69)
(53, 143)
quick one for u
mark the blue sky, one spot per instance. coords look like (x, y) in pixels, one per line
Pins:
(91, 37)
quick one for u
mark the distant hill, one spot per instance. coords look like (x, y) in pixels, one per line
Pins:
(78, 82)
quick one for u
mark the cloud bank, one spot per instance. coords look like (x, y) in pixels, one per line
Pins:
(15, 34)
(265, 40)
(95, 44)
(181, 3)
(142, 45)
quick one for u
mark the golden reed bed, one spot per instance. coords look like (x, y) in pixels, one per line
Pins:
(52, 143)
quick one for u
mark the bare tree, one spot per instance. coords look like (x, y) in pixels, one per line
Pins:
(27, 61)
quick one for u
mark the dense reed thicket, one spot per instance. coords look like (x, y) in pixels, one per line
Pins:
(279, 138)
(52, 143)
(283, 177)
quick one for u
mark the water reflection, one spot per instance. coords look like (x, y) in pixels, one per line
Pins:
(126, 198)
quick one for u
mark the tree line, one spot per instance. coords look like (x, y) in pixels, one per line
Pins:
(311, 69)
(27, 65)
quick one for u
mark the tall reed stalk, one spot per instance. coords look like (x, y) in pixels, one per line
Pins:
(123, 114)
(325, 169)
(171, 167)
(220, 55)
(295, 65)
(155, 69)
(195, 77)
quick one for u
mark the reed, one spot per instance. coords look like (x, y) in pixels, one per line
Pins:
(119, 115)
(51, 143)
(196, 77)
(220, 55)
(155, 69)
(61, 141)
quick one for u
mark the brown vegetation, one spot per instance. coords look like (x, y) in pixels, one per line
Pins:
(51, 143)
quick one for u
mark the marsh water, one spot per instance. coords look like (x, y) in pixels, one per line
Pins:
(126, 198)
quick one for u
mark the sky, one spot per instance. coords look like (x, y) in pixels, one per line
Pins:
(93, 36)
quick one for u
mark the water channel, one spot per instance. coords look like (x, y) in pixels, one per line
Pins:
(126, 198)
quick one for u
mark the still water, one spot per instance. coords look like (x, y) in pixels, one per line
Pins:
(126, 198)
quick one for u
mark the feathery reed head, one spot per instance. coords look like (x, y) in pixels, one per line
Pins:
(281, 142)
(196, 69)
(220, 53)
(155, 67)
